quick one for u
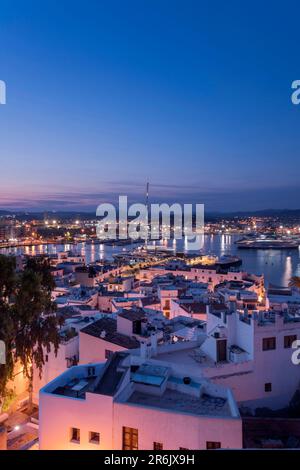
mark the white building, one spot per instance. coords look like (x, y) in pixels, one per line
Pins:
(99, 340)
(67, 354)
(131, 404)
(251, 354)
(203, 274)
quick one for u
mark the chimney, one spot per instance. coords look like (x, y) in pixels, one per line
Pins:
(154, 344)
(143, 350)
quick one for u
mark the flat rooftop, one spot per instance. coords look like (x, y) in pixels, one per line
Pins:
(150, 374)
(186, 357)
(181, 402)
(75, 388)
(103, 380)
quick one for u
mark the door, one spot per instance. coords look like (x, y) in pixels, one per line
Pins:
(221, 350)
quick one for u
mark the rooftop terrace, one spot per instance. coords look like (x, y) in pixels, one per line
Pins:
(186, 357)
(182, 402)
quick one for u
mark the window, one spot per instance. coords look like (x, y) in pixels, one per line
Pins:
(288, 341)
(137, 327)
(94, 437)
(75, 435)
(213, 445)
(221, 346)
(268, 387)
(269, 343)
(46, 358)
(108, 353)
(157, 446)
(130, 438)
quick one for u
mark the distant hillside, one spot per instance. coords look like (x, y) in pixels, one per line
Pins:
(2, 212)
(280, 213)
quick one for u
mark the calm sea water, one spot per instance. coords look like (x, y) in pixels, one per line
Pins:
(277, 265)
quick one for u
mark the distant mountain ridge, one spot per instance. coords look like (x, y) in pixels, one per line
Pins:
(263, 212)
(286, 213)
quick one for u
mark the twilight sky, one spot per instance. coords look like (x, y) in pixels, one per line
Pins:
(103, 94)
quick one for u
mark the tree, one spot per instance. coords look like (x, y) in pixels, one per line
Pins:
(7, 287)
(28, 324)
(42, 266)
(37, 327)
(7, 336)
(295, 282)
(7, 277)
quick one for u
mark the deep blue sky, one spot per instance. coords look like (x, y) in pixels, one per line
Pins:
(193, 95)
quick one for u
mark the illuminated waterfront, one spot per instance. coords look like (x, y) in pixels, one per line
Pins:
(277, 265)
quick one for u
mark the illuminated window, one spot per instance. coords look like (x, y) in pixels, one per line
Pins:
(288, 341)
(213, 445)
(75, 435)
(130, 438)
(269, 343)
(94, 437)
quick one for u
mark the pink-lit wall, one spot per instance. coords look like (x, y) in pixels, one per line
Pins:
(175, 430)
(92, 349)
(58, 415)
(97, 413)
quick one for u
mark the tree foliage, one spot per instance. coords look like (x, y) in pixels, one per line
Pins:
(7, 277)
(28, 324)
(36, 330)
(42, 266)
(7, 288)
(7, 335)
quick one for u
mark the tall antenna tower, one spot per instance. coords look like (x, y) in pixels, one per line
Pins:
(147, 205)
